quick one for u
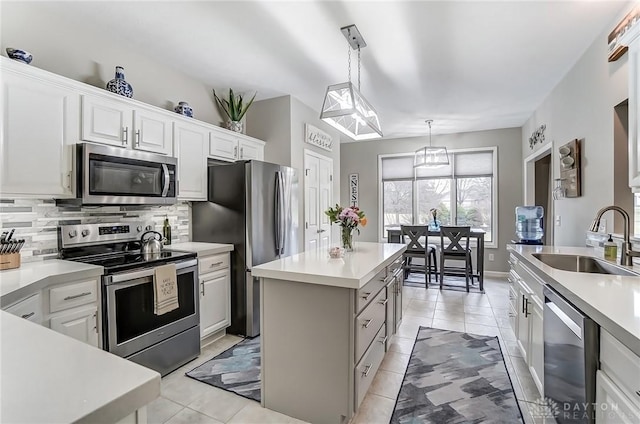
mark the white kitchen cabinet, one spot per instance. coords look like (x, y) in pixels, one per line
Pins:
(190, 147)
(613, 406)
(523, 334)
(631, 38)
(229, 146)
(536, 342)
(118, 123)
(215, 293)
(39, 127)
(80, 323)
(29, 308)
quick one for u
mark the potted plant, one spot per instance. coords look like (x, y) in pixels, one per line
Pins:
(348, 218)
(235, 108)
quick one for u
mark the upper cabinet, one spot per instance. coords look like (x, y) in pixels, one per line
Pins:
(118, 123)
(632, 39)
(40, 122)
(190, 147)
(231, 146)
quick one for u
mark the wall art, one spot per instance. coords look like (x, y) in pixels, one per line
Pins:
(537, 136)
(317, 137)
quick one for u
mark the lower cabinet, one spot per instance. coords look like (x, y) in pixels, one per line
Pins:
(215, 296)
(215, 293)
(29, 308)
(613, 405)
(79, 323)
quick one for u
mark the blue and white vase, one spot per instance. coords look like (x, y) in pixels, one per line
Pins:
(183, 108)
(19, 55)
(118, 85)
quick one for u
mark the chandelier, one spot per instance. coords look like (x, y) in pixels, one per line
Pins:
(344, 107)
(429, 155)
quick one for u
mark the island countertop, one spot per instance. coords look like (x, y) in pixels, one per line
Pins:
(315, 266)
(613, 301)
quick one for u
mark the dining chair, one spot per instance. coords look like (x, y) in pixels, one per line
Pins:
(454, 245)
(416, 248)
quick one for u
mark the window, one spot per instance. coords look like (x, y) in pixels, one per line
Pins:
(463, 192)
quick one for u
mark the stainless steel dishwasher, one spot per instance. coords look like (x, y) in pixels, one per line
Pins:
(571, 352)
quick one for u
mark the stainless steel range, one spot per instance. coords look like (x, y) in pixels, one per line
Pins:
(130, 328)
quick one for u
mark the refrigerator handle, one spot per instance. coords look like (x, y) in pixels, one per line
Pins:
(281, 213)
(277, 213)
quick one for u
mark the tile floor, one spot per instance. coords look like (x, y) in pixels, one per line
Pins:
(184, 400)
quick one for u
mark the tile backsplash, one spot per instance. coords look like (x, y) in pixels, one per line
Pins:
(37, 221)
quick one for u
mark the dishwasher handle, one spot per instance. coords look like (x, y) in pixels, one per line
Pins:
(564, 311)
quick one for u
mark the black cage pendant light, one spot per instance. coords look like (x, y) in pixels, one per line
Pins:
(429, 155)
(344, 107)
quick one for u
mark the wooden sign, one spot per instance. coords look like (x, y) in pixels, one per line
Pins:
(616, 39)
(353, 189)
(317, 137)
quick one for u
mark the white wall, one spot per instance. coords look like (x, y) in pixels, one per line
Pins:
(74, 49)
(362, 158)
(582, 106)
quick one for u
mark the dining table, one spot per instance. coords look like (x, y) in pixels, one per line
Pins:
(394, 236)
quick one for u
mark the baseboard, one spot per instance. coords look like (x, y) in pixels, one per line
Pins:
(213, 337)
(500, 274)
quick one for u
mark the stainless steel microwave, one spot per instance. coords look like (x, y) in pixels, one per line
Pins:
(108, 175)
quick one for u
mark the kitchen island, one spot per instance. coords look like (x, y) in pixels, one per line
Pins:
(326, 325)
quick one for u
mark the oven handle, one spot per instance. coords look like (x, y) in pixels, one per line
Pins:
(149, 272)
(167, 180)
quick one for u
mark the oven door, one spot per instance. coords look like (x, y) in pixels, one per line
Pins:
(130, 325)
(113, 175)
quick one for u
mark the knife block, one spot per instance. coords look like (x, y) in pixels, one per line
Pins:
(10, 261)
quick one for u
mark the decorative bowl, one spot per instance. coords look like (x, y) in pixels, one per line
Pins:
(336, 252)
(20, 55)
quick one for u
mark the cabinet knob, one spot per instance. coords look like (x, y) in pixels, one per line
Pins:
(125, 138)
(366, 323)
(138, 138)
(29, 315)
(366, 370)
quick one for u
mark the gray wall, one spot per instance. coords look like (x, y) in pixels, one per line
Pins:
(362, 158)
(76, 50)
(582, 106)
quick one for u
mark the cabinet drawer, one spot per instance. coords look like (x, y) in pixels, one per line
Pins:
(513, 297)
(513, 318)
(213, 263)
(71, 295)
(29, 308)
(620, 364)
(368, 323)
(394, 266)
(367, 368)
(370, 290)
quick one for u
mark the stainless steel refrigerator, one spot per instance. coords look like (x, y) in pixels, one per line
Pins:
(254, 206)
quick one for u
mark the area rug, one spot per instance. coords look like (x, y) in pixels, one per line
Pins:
(237, 369)
(455, 377)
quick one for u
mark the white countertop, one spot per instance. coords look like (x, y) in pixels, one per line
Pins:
(32, 276)
(51, 378)
(612, 301)
(201, 249)
(352, 271)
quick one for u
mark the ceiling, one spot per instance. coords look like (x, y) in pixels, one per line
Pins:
(468, 65)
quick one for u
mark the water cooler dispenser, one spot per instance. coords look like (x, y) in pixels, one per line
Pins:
(529, 225)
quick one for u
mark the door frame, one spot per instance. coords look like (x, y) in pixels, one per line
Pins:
(530, 183)
(315, 154)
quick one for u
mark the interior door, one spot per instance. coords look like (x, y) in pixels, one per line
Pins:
(311, 202)
(318, 196)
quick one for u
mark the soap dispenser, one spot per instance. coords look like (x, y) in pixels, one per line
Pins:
(610, 249)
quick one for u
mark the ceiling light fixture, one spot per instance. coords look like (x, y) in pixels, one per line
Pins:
(344, 107)
(429, 155)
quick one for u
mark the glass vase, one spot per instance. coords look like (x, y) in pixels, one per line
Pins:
(347, 239)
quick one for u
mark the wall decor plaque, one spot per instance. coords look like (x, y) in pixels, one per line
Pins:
(537, 136)
(570, 168)
(317, 137)
(353, 189)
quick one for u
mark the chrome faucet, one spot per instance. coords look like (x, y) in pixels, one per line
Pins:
(627, 253)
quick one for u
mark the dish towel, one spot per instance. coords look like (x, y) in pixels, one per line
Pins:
(165, 289)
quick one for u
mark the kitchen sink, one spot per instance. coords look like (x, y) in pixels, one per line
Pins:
(577, 263)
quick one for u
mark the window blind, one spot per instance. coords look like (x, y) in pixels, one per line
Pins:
(476, 164)
(397, 167)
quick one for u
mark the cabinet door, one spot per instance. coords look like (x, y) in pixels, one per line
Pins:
(248, 150)
(536, 343)
(612, 405)
(106, 121)
(523, 334)
(390, 317)
(190, 144)
(215, 302)
(39, 128)
(29, 308)
(152, 132)
(398, 306)
(80, 323)
(224, 146)
(634, 112)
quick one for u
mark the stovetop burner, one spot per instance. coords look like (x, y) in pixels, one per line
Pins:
(132, 260)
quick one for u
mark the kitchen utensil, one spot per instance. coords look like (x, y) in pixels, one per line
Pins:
(152, 246)
(3, 236)
(10, 234)
(21, 244)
